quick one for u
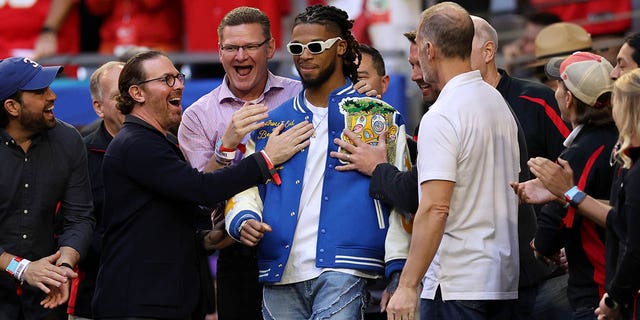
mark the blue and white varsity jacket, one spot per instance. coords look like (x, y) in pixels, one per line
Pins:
(355, 231)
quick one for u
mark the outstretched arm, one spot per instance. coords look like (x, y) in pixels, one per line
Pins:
(558, 179)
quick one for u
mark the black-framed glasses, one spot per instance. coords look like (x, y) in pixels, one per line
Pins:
(315, 47)
(251, 47)
(169, 79)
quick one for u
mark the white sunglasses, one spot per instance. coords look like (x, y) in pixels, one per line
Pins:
(315, 47)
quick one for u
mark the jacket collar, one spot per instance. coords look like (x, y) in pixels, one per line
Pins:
(299, 100)
(99, 139)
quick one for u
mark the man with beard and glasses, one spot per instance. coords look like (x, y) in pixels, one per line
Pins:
(319, 234)
(44, 173)
(151, 248)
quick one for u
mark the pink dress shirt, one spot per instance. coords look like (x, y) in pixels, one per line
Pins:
(207, 119)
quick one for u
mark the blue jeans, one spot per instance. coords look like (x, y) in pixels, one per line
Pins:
(467, 309)
(552, 302)
(333, 295)
(584, 314)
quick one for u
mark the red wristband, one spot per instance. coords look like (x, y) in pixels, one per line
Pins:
(272, 169)
(225, 149)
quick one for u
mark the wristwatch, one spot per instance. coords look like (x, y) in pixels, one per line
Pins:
(609, 302)
(574, 196)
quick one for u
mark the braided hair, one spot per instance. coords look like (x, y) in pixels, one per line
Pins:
(336, 20)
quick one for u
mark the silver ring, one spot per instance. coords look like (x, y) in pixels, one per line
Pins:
(348, 158)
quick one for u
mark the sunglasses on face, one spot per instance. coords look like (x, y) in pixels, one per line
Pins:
(314, 47)
(169, 79)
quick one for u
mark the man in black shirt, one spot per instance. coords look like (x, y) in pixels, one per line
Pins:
(150, 251)
(44, 173)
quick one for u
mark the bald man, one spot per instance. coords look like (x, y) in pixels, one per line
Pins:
(463, 193)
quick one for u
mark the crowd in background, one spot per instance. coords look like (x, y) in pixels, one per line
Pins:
(562, 90)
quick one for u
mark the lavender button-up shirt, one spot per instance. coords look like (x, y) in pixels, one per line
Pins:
(207, 119)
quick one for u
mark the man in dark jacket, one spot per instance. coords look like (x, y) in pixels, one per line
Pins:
(103, 86)
(150, 252)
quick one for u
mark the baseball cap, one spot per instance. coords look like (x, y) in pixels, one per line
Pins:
(585, 74)
(19, 73)
(560, 40)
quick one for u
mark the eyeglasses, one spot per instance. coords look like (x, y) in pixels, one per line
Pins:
(169, 79)
(251, 47)
(315, 47)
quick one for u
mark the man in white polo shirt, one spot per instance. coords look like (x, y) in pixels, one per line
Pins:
(467, 155)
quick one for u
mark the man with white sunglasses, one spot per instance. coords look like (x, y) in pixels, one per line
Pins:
(319, 234)
(219, 123)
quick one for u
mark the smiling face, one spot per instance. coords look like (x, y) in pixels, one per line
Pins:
(163, 103)
(624, 61)
(35, 112)
(429, 75)
(428, 94)
(246, 69)
(321, 69)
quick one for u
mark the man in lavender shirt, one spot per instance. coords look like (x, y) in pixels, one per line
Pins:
(221, 120)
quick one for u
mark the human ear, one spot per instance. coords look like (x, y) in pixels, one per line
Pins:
(136, 94)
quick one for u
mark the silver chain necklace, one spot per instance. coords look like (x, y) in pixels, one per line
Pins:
(315, 125)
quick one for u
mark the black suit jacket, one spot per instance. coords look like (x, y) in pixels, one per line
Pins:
(150, 255)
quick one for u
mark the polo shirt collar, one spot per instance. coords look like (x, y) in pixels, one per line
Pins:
(572, 136)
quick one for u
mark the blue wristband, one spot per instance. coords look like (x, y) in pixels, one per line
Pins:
(13, 266)
(574, 196)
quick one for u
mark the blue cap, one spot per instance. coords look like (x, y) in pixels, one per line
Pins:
(24, 74)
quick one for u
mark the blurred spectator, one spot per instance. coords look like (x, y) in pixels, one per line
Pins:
(156, 24)
(558, 40)
(628, 57)
(39, 28)
(204, 15)
(607, 46)
(47, 41)
(524, 47)
(104, 90)
(372, 70)
(89, 29)
(380, 22)
(598, 17)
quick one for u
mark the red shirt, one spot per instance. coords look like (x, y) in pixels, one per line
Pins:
(205, 16)
(595, 16)
(156, 24)
(21, 21)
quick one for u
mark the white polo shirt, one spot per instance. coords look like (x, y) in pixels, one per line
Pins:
(470, 137)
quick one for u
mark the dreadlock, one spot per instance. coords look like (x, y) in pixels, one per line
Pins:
(336, 20)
